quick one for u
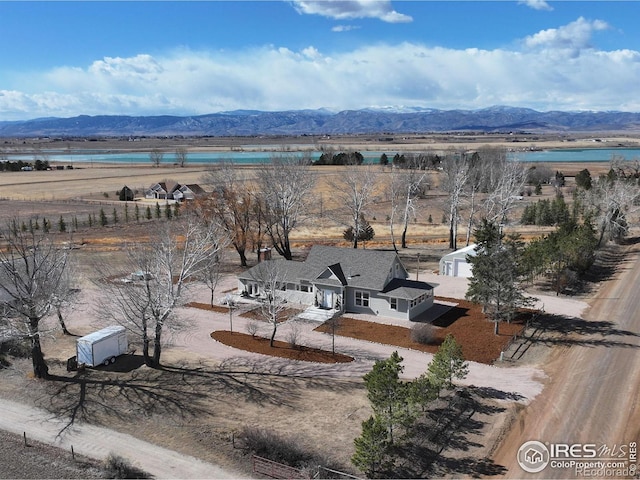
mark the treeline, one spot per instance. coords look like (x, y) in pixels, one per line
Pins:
(99, 219)
(10, 166)
(563, 256)
(418, 161)
(546, 212)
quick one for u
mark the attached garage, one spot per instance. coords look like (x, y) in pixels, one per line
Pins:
(455, 264)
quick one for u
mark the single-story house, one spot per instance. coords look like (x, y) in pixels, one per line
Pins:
(346, 280)
(455, 264)
(188, 192)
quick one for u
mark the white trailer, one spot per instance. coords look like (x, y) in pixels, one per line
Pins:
(101, 347)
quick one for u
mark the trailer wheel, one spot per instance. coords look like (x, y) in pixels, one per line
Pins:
(106, 361)
(113, 359)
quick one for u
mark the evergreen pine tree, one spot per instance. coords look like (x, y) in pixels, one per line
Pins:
(448, 363)
(103, 218)
(371, 449)
(62, 226)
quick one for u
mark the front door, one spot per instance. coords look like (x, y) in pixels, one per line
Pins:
(327, 299)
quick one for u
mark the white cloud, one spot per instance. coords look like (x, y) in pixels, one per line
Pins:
(348, 9)
(536, 4)
(546, 76)
(575, 35)
(344, 28)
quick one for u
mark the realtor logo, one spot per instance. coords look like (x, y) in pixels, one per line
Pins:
(533, 456)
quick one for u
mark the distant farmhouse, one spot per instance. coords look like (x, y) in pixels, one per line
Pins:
(174, 191)
(346, 280)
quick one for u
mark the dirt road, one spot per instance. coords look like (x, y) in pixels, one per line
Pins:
(592, 396)
(97, 442)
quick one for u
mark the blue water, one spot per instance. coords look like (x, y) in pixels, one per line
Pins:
(576, 155)
(249, 158)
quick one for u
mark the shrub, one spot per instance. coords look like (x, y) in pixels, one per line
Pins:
(252, 328)
(293, 334)
(423, 333)
(271, 445)
(16, 348)
(119, 467)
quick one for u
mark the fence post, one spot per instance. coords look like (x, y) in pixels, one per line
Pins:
(73, 454)
(24, 434)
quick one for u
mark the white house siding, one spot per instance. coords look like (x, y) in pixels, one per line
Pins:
(377, 305)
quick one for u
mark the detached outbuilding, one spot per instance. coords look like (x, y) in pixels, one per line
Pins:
(455, 264)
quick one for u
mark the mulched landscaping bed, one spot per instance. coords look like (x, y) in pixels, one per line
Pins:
(280, 349)
(465, 322)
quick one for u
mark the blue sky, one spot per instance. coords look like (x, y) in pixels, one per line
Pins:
(187, 58)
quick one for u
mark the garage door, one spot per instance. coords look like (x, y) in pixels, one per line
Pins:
(462, 268)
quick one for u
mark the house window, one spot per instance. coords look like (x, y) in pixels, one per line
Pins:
(362, 299)
(393, 303)
(304, 288)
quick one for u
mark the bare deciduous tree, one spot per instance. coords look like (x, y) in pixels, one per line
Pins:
(609, 201)
(270, 277)
(156, 155)
(456, 169)
(354, 188)
(32, 269)
(181, 156)
(181, 252)
(284, 188)
(404, 187)
(507, 180)
(233, 205)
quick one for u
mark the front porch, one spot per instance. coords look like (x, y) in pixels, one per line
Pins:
(318, 314)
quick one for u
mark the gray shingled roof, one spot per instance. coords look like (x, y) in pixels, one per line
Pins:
(406, 289)
(367, 269)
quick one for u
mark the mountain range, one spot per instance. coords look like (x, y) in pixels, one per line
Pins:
(323, 122)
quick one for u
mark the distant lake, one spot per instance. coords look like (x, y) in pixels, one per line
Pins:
(253, 158)
(576, 155)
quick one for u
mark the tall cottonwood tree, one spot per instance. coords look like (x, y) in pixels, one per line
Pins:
(608, 202)
(506, 183)
(404, 187)
(233, 204)
(354, 189)
(456, 169)
(32, 282)
(182, 250)
(284, 189)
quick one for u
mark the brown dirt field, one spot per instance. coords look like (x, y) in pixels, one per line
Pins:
(38, 460)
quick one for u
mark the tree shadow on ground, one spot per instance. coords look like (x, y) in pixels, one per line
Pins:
(98, 396)
(550, 329)
(438, 444)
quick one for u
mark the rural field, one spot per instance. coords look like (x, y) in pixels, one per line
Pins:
(211, 390)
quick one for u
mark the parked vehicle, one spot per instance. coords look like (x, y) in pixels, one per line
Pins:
(101, 347)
